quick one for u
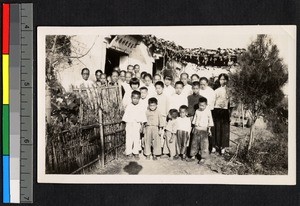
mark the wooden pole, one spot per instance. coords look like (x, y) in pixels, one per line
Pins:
(101, 138)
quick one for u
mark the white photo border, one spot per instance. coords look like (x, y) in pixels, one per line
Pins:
(288, 32)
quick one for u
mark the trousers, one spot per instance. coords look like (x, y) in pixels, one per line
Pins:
(132, 137)
(199, 143)
(152, 139)
(170, 148)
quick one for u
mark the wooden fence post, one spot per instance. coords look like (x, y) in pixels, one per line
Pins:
(101, 137)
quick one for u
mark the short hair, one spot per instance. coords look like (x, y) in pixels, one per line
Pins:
(134, 81)
(178, 83)
(202, 99)
(136, 65)
(136, 93)
(129, 66)
(187, 75)
(172, 111)
(183, 107)
(143, 88)
(152, 100)
(169, 77)
(160, 83)
(129, 73)
(195, 75)
(98, 70)
(148, 75)
(123, 71)
(203, 78)
(223, 75)
(143, 74)
(196, 84)
(84, 69)
(115, 72)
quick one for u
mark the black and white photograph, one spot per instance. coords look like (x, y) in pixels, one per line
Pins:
(179, 104)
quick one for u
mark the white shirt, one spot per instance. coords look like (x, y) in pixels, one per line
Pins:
(134, 113)
(203, 119)
(187, 90)
(175, 101)
(85, 83)
(151, 90)
(222, 98)
(184, 124)
(210, 95)
(162, 103)
(144, 103)
(169, 90)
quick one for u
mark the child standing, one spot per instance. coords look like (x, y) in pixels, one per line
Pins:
(193, 99)
(183, 131)
(177, 99)
(149, 85)
(153, 130)
(134, 118)
(170, 135)
(168, 90)
(202, 122)
(134, 84)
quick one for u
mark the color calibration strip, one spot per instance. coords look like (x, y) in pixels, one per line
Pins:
(17, 80)
(5, 103)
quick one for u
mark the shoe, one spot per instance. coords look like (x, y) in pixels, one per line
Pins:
(154, 158)
(183, 157)
(213, 150)
(148, 157)
(190, 160)
(164, 156)
(201, 162)
(136, 157)
(223, 151)
(176, 157)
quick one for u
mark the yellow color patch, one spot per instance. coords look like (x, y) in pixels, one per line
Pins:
(5, 78)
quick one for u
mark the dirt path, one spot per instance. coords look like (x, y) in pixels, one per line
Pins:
(125, 166)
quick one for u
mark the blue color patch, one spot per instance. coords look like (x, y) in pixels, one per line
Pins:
(6, 180)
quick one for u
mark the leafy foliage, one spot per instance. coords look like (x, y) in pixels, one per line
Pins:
(260, 78)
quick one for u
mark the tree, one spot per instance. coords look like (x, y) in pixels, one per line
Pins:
(258, 81)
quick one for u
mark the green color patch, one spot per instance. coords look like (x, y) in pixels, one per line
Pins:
(5, 129)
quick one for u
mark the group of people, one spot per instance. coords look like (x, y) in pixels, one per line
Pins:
(184, 119)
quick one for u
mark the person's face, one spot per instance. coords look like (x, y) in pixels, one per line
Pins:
(85, 74)
(174, 115)
(148, 81)
(156, 78)
(168, 82)
(159, 89)
(98, 76)
(203, 84)
(103, 78)
(202, 106)
(130, 69)
(137, 69)
(135, 99)
(195, 89)
(122, 76)
(128, 77)
(138, 75)
(114, 77)
(223, 81)
(152, 106)
(195, 79)
(144, 93)
(184, 79)
(178, 88)
(135, 86)
(183, 113)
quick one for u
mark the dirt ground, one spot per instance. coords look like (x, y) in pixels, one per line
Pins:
(214, 165)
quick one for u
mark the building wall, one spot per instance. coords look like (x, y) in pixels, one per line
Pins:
(93, 60)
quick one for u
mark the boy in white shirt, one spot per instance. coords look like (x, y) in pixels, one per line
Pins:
(168, 90)
(149, 85)
(177, 99)
(134, 117)
(183, 131)
(202, 122)
(187, 89)
(134, 86)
